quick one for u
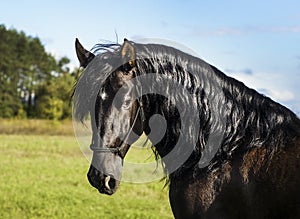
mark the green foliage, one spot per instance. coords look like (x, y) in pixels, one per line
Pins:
(53, 98)
(21, 113)
(9, 102)
(26, 68)
(50, 108)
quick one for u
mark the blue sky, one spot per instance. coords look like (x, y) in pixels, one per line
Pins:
(257, 42)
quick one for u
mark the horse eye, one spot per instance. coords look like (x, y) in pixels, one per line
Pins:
(127, 67)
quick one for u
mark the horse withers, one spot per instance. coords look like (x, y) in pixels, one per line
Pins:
(228, 151)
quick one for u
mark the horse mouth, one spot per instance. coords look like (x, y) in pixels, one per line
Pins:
(105, 191)
(105, 184)
(109, 187)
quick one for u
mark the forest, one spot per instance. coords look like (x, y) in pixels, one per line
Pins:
(33, 84)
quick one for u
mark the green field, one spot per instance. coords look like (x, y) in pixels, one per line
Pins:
(44, 176)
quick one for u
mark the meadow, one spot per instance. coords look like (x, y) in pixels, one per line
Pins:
(43, 175)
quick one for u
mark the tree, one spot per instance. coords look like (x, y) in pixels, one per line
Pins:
(24, 65)
(55, 94)
(32, 82)
(9, 103)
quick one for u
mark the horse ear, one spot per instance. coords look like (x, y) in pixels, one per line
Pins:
(83, 55)
(128, 53)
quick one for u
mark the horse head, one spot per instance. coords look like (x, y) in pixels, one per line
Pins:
(115, 114)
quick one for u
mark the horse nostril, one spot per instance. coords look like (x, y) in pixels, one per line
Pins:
(109, 183)
(112, 183)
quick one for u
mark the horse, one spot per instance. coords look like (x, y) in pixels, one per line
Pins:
(235, 152)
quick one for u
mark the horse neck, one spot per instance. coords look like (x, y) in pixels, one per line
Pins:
(245, 115)
(257, 119)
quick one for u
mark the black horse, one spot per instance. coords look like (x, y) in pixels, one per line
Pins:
(235, 153)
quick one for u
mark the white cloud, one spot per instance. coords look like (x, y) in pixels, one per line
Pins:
(281, 95)
(55, 54)
(246, 71)
(275, 86)
(271, 85)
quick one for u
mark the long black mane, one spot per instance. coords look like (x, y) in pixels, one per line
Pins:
(251, 119)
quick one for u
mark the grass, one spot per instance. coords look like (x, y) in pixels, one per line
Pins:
(44, 176)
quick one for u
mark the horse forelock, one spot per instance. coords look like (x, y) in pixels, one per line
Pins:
(93, 77)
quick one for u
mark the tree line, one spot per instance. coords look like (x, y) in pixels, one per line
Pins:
(33, 84)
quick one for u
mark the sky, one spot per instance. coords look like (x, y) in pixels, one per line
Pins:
(256, 42)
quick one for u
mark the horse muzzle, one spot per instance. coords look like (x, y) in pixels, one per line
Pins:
(106, 184)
